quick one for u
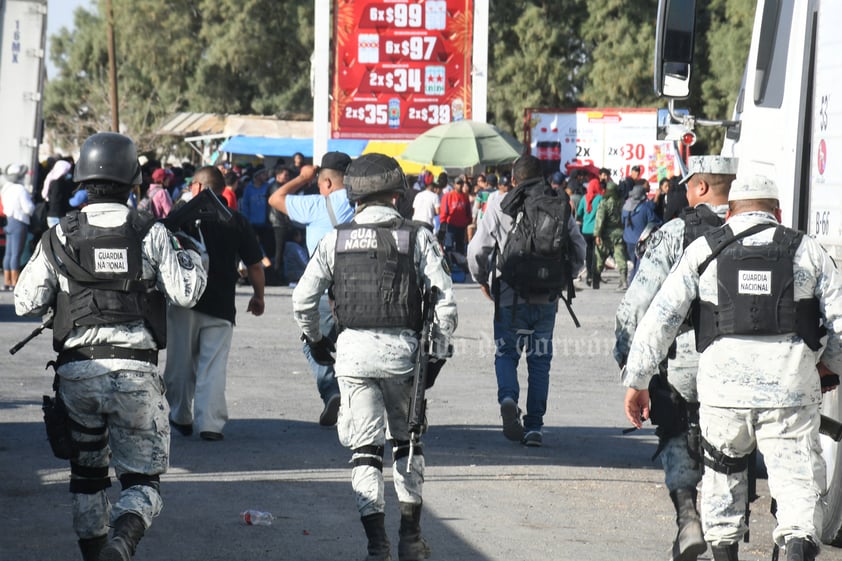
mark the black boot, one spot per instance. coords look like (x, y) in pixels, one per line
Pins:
(690, 541)
(801, 549)
(379, 548)
(91, 547)
(725, 552)
(128, 529)
(411, 546)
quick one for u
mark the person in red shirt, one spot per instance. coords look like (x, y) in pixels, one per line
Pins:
(455, 215)
(230, 191)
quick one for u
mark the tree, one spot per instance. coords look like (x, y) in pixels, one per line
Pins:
(620, 40)
(257, 57)
(535, 58)
(220, 56)
(723, 39)
(253, 56)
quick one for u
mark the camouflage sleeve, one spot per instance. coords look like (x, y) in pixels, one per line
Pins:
(829, 292)
(37, 286)
(600, 219)
(433, 271)
(179, 272)
(662, 321)
(317, 277)
(663, 249)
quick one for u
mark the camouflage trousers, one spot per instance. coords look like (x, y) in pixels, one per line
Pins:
(680, 470)
(612, 244)
(372, 411)
(788, 438)
(131, 407)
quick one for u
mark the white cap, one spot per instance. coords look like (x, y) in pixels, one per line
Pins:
(753, 187)
(721, 165)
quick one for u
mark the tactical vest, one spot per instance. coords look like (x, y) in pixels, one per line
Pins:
(375, 279)
(104, 267)
(698, 221)
(755, 291)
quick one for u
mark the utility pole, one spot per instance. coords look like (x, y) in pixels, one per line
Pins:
(112, 69)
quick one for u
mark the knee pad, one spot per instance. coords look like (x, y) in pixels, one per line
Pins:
(88, 480)
(400, 449)
(133, 479)
(369, 455)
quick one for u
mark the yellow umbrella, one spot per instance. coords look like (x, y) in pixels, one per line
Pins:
(395, 149)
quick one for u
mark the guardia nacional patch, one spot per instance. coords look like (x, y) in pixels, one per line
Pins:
(440, 255)
(184, 261)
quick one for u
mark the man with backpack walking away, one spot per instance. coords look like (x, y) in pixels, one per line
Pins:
(538, 248)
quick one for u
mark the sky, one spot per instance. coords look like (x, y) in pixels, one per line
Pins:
(60, 14)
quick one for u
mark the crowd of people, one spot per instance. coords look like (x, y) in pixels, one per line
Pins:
(382, 253)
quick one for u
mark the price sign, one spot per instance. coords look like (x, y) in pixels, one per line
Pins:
(401, 67)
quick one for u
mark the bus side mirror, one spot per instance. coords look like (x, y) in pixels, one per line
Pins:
(674, 37)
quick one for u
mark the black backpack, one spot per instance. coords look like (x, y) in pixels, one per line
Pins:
(536, 255)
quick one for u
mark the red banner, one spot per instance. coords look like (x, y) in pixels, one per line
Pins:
(400, 67)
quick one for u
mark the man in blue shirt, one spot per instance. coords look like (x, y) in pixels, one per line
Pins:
(319, 214)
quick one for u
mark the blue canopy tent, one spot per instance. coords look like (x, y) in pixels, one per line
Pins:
(268, 146)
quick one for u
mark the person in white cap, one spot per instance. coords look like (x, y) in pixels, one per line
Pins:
(673, 392)
(762, 296)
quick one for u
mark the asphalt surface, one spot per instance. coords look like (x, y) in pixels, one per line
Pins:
(589, 494)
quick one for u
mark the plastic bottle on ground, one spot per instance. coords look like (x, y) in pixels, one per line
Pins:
(257, 518)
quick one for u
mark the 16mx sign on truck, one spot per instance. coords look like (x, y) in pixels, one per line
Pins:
(22, 42)
(616, 139)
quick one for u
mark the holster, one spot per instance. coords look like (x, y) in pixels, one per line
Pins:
(57, 422)
(667, 410)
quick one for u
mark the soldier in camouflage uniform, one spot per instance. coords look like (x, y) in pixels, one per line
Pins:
(378, 343)
(708, 181)
(761, 294)
(608, 235)
(122, 264)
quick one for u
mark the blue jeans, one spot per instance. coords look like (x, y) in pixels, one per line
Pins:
(15, 237)
(325, 375)
(530, 330)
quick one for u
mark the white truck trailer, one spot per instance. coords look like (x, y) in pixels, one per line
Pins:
(23, 36)
(787, 125)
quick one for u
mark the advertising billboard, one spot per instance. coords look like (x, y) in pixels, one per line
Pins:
(400, 67)
(611, 138)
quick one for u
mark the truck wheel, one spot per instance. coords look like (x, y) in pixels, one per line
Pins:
(832, 452)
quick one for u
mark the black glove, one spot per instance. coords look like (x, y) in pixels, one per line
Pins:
(433, 369)
(321, 349)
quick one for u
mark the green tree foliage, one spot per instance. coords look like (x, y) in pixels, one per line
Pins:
(224, 56)
(257, 57)
(723, 37)
(535, 58)
(253, 56)
(620, 38)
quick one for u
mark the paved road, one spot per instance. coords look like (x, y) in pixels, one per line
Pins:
(590, 494)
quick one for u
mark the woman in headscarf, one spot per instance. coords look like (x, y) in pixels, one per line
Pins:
(638, 212)
(59, 191)
(586, 214)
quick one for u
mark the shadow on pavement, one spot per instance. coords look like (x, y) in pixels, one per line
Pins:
(296, 470)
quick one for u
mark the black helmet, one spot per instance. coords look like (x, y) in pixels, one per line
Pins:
(373, 173)
(108, 156)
